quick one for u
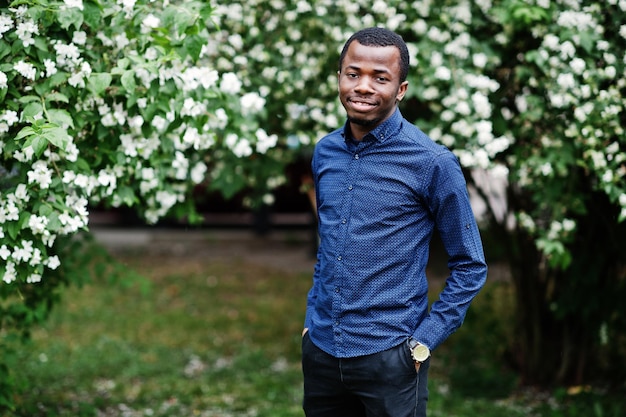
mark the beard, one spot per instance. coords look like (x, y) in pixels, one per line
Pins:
(364, 122)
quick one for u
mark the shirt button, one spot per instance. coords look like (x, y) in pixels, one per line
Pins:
(356, 156)
(339, 257)
(337, 289)
(343, 221)
(350, 187)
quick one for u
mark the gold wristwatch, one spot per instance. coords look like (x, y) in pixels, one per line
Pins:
(419, 352)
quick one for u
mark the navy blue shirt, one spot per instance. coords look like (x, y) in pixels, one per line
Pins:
(379, 201)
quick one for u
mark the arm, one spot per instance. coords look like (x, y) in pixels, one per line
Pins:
(454, 219)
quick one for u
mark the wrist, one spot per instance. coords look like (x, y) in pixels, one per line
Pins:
(419, 351)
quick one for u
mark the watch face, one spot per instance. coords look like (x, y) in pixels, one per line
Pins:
(421, 353)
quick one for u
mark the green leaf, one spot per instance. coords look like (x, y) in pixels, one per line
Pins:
(99, 82)
(587, 41)
(70, 16)
(45, 210)
(91, 13)
(38, 143)
(26, 131)
(13, 228)
(55, 135)
(58, 78)
(193, 46)
(54, 223)
(57, 97)
(5, 49)
(128, 81)
(38, 138)
(127, 195)
(121, 66)
(29, 98)
(206, 12)
(31, 110)
(60, 117)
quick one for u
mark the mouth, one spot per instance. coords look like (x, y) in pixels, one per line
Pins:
(361, 105)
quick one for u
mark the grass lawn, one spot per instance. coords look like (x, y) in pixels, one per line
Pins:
(192, 336)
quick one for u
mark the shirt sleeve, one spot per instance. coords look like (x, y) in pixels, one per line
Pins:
(312, 294)
(454, 219)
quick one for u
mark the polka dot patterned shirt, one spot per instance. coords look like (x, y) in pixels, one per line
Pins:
(379, 202)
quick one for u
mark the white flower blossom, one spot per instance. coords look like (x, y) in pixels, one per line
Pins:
(230, 83)
(150, 22)
(265, 141)
(180, 165)
(577, 65)
(33, 278)
(127, 6)
(443, 73)
(25, 31)
(52, 262)
(9, 212)
(37, 224)
(574, 19)
(40, 174)
(479, 60)
(192, 108)
(239, 146)
(10, 274)
(194, 77)
(23, 253)
(159, 123)
(251, 103)
(198, 172)
(51, 67)
(5, 253)
(21, 193)
(25, 69)
(74, 3)
(79, 37)
(166, 200)
(6, 24)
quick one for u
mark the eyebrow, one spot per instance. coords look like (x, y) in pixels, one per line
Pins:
(377, 71)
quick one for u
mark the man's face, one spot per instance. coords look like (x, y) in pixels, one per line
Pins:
(369, 85)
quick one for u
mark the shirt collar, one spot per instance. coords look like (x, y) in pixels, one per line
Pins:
(382, 131)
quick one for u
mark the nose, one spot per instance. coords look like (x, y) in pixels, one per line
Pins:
(364, 85)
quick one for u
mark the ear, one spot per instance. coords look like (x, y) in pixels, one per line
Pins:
(402, 90)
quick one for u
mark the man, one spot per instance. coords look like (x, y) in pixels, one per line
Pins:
(382, 188)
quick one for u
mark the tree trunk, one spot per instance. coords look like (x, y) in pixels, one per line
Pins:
(560, 313)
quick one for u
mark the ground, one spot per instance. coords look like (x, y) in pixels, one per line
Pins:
(290, 250)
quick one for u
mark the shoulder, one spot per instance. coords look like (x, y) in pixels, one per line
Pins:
(418, 138)
(419, 143)
(330, 142)
(333, 136)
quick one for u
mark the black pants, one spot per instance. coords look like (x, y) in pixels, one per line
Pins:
(384, 384)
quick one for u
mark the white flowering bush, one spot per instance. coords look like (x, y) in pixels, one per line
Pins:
(114, 104)
(504, 84)
(111, 103)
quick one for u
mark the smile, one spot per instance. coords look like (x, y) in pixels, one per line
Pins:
(362, 104)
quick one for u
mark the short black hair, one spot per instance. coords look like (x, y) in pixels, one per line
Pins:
(377, 36)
